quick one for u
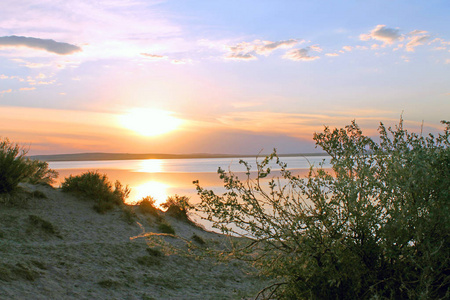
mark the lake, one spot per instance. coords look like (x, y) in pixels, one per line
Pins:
(161, 178)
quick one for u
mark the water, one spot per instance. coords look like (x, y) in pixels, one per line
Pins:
(161, 178)
(193, 165)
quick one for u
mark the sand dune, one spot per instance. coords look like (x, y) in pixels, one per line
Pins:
(59, 248)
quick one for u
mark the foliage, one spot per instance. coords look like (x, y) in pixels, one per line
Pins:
(377, 226)
(129, 215)
(41, 174)
(165, 227)
(38, 194)
(147, 206)
(154, 257)
(15, 168)
(177, 207)
(37, 222)
(97, 187)
(198, 239)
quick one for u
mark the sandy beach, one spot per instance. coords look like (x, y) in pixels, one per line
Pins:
(58, 247)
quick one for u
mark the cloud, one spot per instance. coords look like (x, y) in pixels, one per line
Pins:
(239, 56)
(332, 54)
(27, 89)
(390, 35)
(154, 56)
(383, 34)
(300, 55)
(249, 50)
(300, 124)
(315, 48)
(181, 61)
(416, 32)
(415, 41)
(268, 46)
(41, 44)
(347, 48)
(5, 91)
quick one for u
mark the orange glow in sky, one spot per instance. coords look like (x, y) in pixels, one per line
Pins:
(183, 77)
(149, 122)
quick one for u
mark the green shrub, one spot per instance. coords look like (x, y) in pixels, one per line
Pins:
(128, 214)
(166, 228)
(96, 187)
(152, 259)
(41, 174)
(154, 252)
(20, 271)
(147, 206)
(108, 283)
(376, 227)
(37, 222)
(177, 207)
(198, 239)
(148, 260)
(16, 168)
(38, 194)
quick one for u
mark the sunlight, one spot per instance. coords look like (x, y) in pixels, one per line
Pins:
(149, 122)
(155, 189)
(151, 166)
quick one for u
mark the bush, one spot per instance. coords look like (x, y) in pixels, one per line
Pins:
(96, 187)
(198, 239)
(40, 173)
(177, 207)
(377, 226)
(166, 228)
(16, 168)
(147, 206)
(37, 222)
(129, 215)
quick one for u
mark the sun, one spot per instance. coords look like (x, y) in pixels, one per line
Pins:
(149, 122)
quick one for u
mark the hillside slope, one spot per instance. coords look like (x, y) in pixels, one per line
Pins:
(58, 247)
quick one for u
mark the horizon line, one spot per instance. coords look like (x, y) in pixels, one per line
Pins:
(92, 156)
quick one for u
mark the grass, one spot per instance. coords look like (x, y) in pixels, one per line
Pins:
(20, 271)
(38, 223)
(129, 215)
(177, 207)
(165, 281)
(16, 168)
(148, 260)
(154, 252)
(147, 206)
(38, 194)
(108, 283)
(198, 239)
(165, 227)
(152, 259)
(96, 187)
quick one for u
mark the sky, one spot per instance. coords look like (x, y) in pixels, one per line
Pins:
(222, 76)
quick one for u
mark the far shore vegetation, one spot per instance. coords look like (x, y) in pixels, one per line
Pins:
(128, 156)
(376, 226)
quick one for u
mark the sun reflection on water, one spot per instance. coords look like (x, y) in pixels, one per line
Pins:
(151, 166)
(157, 190)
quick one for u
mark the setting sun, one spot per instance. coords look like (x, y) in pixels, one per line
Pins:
(149, 122)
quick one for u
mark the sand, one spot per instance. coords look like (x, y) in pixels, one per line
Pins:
(58, 247)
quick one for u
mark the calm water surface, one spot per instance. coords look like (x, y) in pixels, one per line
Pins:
(161, 178)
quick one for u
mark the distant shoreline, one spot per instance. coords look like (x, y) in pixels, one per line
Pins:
(128, 156)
